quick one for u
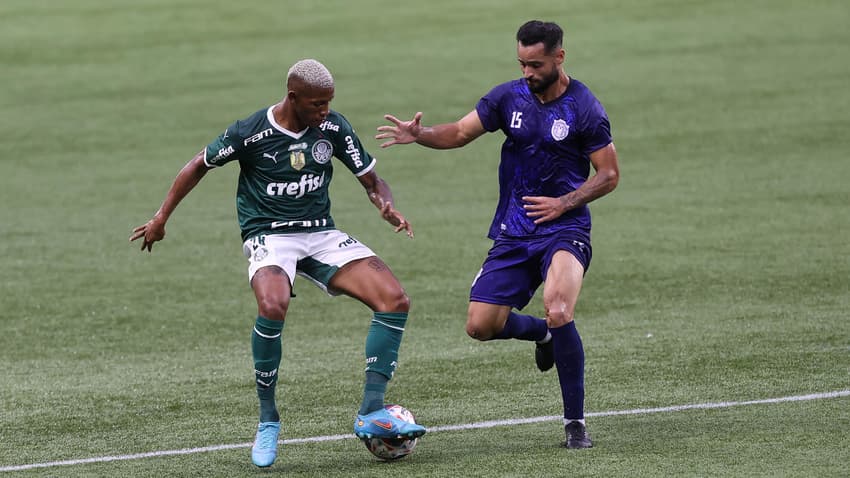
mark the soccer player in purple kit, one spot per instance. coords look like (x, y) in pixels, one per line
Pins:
(555, 130)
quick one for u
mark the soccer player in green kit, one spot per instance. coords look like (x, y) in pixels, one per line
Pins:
(284, 154)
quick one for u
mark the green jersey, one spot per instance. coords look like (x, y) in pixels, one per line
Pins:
(284, 175)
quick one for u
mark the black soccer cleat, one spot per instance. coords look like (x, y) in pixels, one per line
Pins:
(544, 356)
(577, 436)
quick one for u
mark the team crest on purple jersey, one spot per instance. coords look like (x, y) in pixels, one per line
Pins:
(545, 153)
(560, 129)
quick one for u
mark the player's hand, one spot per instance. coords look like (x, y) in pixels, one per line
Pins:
(542, 208)
(150, 232)
(392, 216)
(403, 132)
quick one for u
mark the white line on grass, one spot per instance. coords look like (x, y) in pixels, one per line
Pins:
(467, 426)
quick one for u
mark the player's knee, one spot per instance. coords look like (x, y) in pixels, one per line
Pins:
(401, 302)
(479, 329)
(393, 301)
(273, 308)
(474, 332)
(558, 317)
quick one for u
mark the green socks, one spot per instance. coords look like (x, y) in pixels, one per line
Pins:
(373, 393)
(266, 349)
(382, 344)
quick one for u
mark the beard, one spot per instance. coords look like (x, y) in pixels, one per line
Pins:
(539, 86)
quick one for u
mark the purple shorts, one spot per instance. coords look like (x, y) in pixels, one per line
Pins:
(515, 268)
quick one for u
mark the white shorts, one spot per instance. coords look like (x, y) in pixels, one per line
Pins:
(314, 255)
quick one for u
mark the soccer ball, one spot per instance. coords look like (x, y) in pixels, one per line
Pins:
(389, 449)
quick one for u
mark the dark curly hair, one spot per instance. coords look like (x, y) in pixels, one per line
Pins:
(536, 31)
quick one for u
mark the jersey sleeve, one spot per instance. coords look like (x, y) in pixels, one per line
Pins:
(596, 130)
(349, 149)
(225, 148)
(489, 109)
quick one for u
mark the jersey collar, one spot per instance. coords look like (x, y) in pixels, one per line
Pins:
(275, 125)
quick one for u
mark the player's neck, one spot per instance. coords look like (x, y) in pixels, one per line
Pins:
(556, 89)
(285, 116)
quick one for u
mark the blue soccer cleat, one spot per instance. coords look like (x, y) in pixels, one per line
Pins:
(264, 450)
(382, 424)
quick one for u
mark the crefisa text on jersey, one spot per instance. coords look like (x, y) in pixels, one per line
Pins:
(222, 153)
(327, 125)
(352, 151)
(308, 183)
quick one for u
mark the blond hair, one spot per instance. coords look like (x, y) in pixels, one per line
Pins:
(312, 73)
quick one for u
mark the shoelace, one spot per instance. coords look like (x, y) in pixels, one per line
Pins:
(267, 439)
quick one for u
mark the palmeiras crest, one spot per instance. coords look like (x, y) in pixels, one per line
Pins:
(322, 151)
(260, 254)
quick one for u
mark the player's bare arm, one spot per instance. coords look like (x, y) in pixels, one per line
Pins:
(442, 136)
(607, 176)
(186, 180)
(382, 197)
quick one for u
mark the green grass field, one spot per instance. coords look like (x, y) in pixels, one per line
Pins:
(721, 268)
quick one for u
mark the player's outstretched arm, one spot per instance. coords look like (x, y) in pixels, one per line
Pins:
(441, 136)
(379, 193)
(186, 180)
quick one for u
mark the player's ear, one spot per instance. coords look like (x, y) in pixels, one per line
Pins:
(560, 55)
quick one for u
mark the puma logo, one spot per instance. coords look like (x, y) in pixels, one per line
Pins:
(272, 157)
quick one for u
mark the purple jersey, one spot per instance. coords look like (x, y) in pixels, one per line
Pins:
(546, 152)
